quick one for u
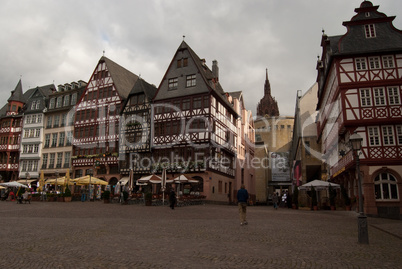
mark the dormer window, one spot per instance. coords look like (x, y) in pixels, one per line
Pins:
(190, 81)
(370, 30)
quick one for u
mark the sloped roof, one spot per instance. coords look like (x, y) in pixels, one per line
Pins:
(211, 84)
(123, 79)
(387, 38)
(16, 94)
(141, 86)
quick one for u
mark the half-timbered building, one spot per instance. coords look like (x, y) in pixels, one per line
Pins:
(97, 121)
(195, 126)
(11, 116)
(360, 86)
(135, 131)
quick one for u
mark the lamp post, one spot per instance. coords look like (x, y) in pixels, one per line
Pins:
(356, 143)
(90, 173)
(57, 175)
(27, 177)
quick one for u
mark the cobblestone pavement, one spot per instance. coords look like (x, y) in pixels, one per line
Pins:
(98, 235)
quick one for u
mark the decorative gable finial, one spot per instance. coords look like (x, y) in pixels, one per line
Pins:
(184, 37)
(103, 53)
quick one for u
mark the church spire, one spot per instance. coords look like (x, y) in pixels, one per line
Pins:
(267, 86)
(267, 105)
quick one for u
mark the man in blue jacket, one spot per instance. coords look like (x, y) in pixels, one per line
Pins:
(242, 198)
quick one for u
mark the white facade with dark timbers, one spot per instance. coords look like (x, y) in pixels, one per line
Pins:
(360, 88)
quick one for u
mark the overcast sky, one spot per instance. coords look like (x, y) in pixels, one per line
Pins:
(61, 41)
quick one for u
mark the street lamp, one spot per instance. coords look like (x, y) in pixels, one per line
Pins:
(356, 143)
(57, 175)
(90, 173)
(27, 177)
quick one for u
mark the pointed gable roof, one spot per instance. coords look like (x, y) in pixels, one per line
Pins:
(211, 83)
(141, 86)
(16, 94)
(123, 79)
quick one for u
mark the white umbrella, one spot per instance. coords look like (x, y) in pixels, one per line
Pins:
(13, 184)
(184, 179)
(319, 185)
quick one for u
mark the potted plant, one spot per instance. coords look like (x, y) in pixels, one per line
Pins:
(67, 194)
(314, 199)
(106, 197)
(295, 198)
(332, 197)
(346, 198)
(148, 199)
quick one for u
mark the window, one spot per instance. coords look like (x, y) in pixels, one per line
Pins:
(186, 104)
(197, 102)
(74, 99)
(61, 139)
(66, 100)
(49, 122)
(178, 63)
(393, 96)
(51, 160)
(33, 120)
(66, 160)
(361, 64)
(44, 160)
(374, 136)
(33, 105)
(374, 62)
(37, 104)
(37, 132)
(47, 140)
(388, 61)
(36, 148)
(379, 96)
(63, 120)
(185, 61)
(399, 134)
(191, 81)
(69, 138)
(28, 119)
(52, 103)
(173, 83)
(56, 122)
(386, 187)
(26, 133)
(388, 135)
(59, 159)
(370, 30)
(39, 119)
(54, 140)
(365, 97)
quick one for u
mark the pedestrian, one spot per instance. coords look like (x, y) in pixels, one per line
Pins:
(275, 200)
(83, 196)
(242, 198)
(172, 198)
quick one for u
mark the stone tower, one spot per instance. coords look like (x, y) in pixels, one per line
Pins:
(267, 105)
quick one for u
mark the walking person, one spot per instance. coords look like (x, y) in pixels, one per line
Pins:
(83, 196)
(275, 199)
(242, 198)
(172, 198)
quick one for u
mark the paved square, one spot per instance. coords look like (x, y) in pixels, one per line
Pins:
(98, 235)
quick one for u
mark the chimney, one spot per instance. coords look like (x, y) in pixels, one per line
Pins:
(215, 69)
